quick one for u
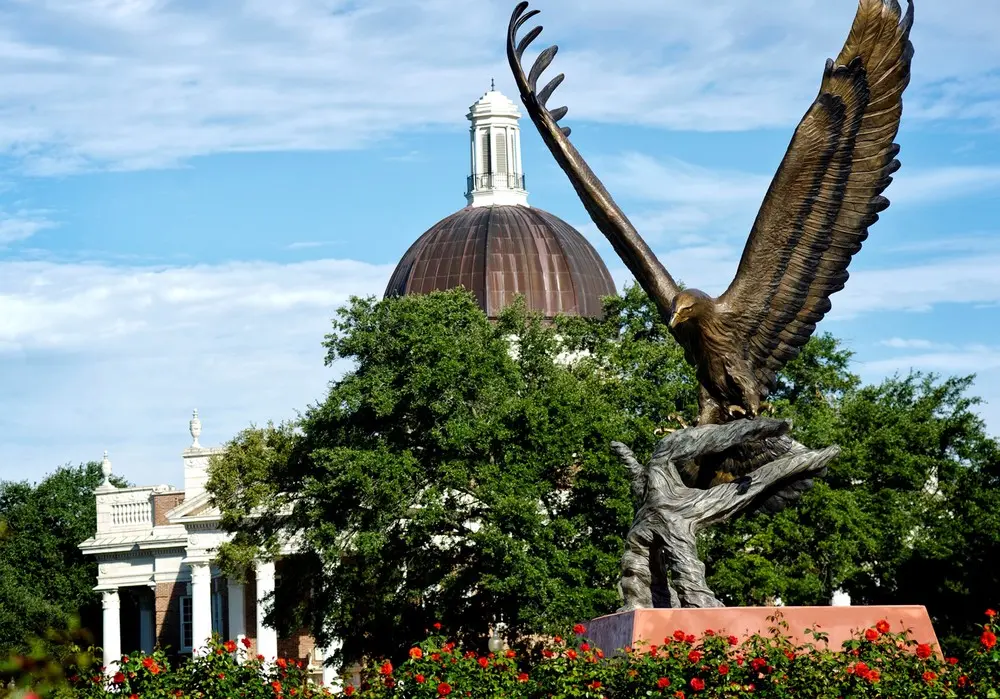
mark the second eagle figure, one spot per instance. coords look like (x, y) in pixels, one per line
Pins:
(815, 216)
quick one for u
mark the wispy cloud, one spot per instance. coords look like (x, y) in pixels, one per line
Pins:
(22, 224)
(118, 356)
(904, 343)
(143, 83)
(966, 360)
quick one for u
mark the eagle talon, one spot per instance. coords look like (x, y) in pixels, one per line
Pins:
(766, 408)
(673, 417)
(736, 411)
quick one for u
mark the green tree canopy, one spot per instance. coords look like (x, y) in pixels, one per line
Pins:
(45, 580)
(448, 478)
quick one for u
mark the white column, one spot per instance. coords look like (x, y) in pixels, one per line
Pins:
(201, 605)
(112, 630)
(331, 674)
(236, 613)
(267, 637)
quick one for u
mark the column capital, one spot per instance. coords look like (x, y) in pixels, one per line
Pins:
(110, 599)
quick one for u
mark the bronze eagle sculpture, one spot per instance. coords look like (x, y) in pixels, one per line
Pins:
(815, 216)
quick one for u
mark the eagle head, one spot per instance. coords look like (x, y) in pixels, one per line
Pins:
(688, 304)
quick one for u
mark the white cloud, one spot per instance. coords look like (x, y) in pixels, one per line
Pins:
(22, 224)
(97, 357)
(147, 83)
(904, 343)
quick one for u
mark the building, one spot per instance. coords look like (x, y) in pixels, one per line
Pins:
(159, 586)
(498, 246)
(155, 545)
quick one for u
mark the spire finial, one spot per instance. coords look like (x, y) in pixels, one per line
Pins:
(493, 85)
(106, 470)
(195, 427)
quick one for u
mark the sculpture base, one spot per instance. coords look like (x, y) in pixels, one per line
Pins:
(616, 631)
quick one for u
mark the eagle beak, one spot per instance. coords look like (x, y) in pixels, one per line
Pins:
(675, 319)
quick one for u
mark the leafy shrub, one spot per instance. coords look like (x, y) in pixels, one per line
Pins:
(878, 662)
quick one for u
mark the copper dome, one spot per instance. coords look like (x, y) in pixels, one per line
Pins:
(498, 252)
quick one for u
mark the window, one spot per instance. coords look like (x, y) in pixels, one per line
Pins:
(501, 140)
(486, 153)
(218, 613)
(187, 623)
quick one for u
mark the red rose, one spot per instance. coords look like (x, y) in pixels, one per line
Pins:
(599, 653)
(523, 677)
(663, 682)
(282, 663)
(988, 639)
(416, 653)
(952, 661)
(444, 689)
(679, 635)
(596, 684)
(694, 656)
(697, 684)
(871, 634)
(437, 625)
(723, 669)
(579, 629)
(757, 663)
(874, 676)
(547, 653)
(349, 690)
(571, 654)
(118, 678)
(386, 668)
(222, 675)
(963, 680)
(923, 651)
(510, 653)
(882, 626)
(733, 641)
(990, 613)
(558, 639)
(689, 638)
(929, 677)
(584, 646)
(276, 686)
(483, 663)
(246, 642)
(230, 646)
(420, 679)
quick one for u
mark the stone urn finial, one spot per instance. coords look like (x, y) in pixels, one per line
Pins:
(106, 470)
(195, 426)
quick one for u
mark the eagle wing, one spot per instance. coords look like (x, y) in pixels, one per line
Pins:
(612, 222)
(825, 195)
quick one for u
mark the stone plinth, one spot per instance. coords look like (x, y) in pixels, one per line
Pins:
(616, 631)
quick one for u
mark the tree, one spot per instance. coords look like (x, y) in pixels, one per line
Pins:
(445, 478)
(45, 580)
(461, 472)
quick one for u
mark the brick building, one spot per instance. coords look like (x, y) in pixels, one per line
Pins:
(155, 547)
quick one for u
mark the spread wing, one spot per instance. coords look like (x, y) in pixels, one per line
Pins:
(826, 193)
(627, 242)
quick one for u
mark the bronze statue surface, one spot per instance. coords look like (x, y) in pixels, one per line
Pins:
(814, 218)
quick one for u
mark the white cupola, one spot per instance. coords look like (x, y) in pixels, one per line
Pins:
(497, 176)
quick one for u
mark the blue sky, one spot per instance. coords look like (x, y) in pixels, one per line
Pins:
(190, 188)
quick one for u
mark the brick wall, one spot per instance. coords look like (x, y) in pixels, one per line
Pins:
(299, 646)
(162, 504)
(168, 615)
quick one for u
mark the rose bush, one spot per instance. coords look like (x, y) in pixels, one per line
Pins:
(877, 662)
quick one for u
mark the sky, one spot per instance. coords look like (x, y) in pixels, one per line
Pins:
(189, 189)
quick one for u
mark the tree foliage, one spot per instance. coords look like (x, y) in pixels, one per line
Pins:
(460, 472)
(45, 580)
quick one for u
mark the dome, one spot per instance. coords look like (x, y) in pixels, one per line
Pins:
(498, 252)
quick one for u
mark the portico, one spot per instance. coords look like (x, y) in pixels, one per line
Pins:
(159, 584)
